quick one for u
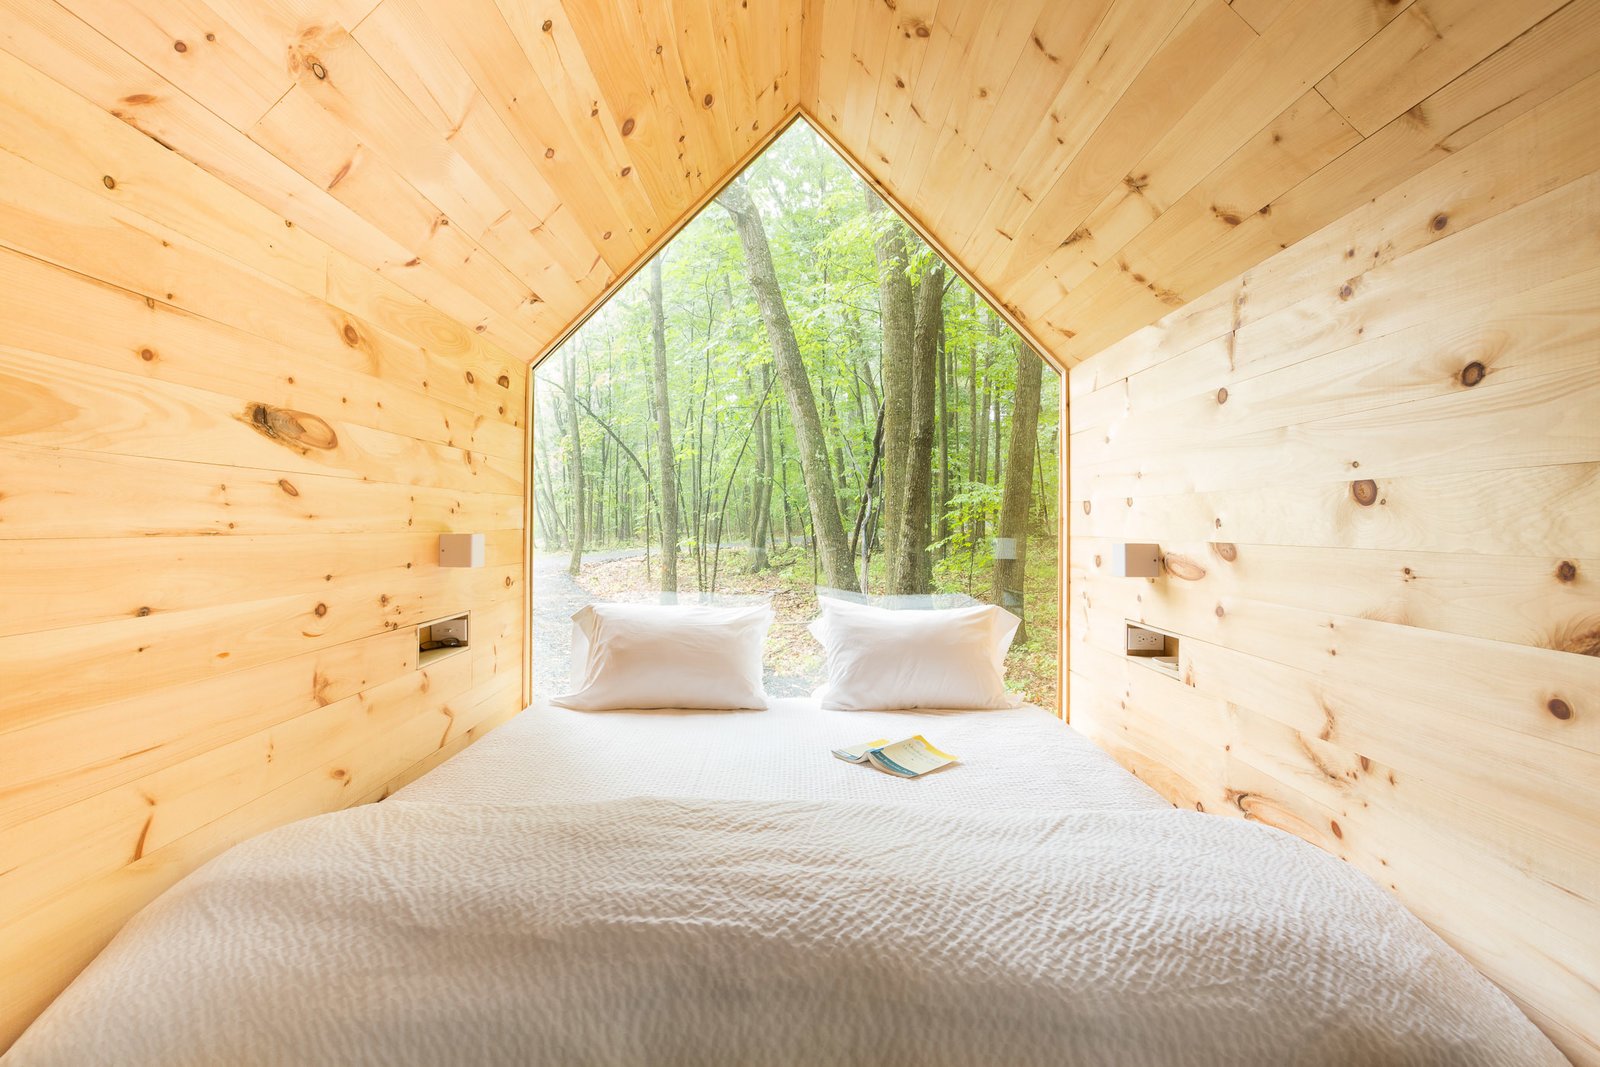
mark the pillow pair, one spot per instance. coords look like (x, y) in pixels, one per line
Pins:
(704, 658)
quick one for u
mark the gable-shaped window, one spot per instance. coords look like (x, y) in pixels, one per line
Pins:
(797, 393)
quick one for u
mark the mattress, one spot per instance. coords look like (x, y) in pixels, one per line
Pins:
(648, 888)
(1019, 759)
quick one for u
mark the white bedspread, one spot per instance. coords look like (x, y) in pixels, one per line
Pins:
(696, 931)
(1016, 759)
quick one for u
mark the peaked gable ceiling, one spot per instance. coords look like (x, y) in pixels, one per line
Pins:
(1090, 164)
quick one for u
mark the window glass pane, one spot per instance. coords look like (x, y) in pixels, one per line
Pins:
(797, 392)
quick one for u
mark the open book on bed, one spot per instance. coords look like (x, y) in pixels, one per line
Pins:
(910, 758)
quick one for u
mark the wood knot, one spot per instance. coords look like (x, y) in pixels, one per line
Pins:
(1567, 572)
(707, 101)
(1183, 567)
(1219, 612)
(921, 30)
(1333, 824)
(339, 773)
(1473, 373)
(1346, 291)
(1559, 708)
(606, 236)
(1364, 492)
(294, 429)
(1439, 221)
(320, 610)
(470, 379)
(318, 70)
(1222, 395)
(147, 354)
(179, 46)
(351, 337)
(288, 487)
(627, 127)
(504, 381)
(108, 181)
(508, 581)
(548, 26)
(1226, 549)
(549, 153)
(626, 171)
(1097, 559)
(1086, 507)
(142, 612)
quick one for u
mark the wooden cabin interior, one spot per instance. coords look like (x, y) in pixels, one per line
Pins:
(1323, 276)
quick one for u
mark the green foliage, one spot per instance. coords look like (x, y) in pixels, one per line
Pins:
(822, 234)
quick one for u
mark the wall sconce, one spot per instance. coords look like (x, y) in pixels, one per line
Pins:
(461, 550)
(1136, 561)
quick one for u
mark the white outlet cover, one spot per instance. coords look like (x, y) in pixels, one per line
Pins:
(1143, 640)
(446, 628)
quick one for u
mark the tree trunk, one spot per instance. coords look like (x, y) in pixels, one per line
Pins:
(761, 489)
(827, 527)
(1009, 574)
(942, 504)
(898, 314)
(575, 563)
(911, 570)
(664, 444)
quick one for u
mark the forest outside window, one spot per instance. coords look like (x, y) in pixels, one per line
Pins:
(797, 392)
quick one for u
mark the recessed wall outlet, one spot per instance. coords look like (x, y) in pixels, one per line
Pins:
(451, 630)
(441, 638)
(1142, 640)
(1154, 647)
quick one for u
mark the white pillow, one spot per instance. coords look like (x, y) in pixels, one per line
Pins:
(670, 656)
(950, 658)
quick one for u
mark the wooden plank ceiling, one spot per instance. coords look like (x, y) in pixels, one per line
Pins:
(1091, 163)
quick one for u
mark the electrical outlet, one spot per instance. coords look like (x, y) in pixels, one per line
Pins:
(1143, 640)
(445, 629)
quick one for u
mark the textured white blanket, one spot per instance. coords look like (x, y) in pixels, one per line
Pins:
(1020, 758)
(701, 931)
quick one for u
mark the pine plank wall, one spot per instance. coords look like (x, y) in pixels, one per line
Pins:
(226, 454)
(1373, 465)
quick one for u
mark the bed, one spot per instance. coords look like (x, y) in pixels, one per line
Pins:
(713, 888)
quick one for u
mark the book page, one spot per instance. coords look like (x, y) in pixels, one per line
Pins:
(858, 753)
(909, 758)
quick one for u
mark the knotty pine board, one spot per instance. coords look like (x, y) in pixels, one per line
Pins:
(1373, 466)
(227, 450)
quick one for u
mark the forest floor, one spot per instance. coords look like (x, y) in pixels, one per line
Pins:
(793, 657)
